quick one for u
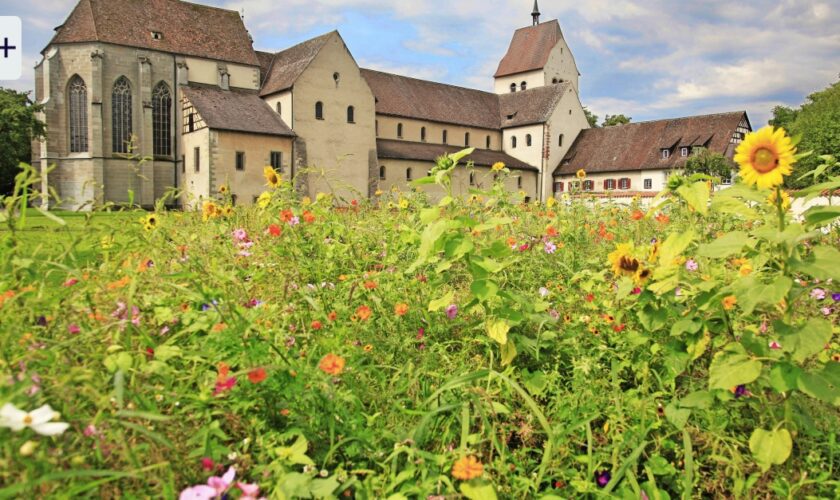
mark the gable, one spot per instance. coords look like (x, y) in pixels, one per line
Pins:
(530, 48)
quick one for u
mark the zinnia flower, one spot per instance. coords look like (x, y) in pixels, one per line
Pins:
(38, 420)
(257, 376)
(401, 309)
(451, 311)
(332, 364)
(467, 468)
(363, 312)
(729, 302)
(765, 157)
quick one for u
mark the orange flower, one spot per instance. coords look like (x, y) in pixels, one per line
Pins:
(400, 309)
(224, 371)
(285, 412)
(368, 348)
(467, 468)
(286, 215)
(664, 219)
(308, 217)
(121, 283)
(332, 316)
(729, 302)
(144, 265)
(363, 313)
(370, 285)
(316, 325)
(8, 294)
(332, 364)
(550, 231)
(511, 241)
(219, 327)
(257, 376)
(637, 215)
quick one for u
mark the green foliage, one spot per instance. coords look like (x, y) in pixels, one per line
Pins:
(612, 120)
(19, 126)
(709, 163)
(591, 117)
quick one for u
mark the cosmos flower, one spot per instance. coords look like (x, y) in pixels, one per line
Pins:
(818, 294)
(550, 247)
(451, 311)
(39, 420)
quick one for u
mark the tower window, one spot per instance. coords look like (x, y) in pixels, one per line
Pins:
(513, 87)
(277, 160)
(560, 141)
(472, 178)
(423, 134)
(467, 139)
(445, 137)
(279, 108)
(523, 85)
(488, 143)
(382, 173)
(197, 159)
(408, 174)
(319, 110)
(351, 114)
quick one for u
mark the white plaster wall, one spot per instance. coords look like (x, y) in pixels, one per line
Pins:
(561, 65)
(532, 80)
(287, 112)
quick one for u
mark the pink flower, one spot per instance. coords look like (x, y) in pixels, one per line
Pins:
(421, 332)
(294, 221)
(208, 464)
(74, 329)
(774, 345)
(224, 385)
(550, 247)
(215, 487)
(249, 491)
(523, 247)
(90, 430)
(240, 235)
(71, 282)
(691, 265)
(451, 311)
(221, 484)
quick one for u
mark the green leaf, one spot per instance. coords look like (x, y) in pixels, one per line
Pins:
(498, 329)
(732, 206)
(484, 289)
(809, 340)
(458, 246)
(823, 384)
(751, 292)
(324, 488)
(726, 245)
(770, 447)
(822, 264)
(696, 195)
(166, 352)
(818, 216)
(676, 415)
(508, 353)
(428, 215)
(478, 490)
(784, 377)
(674, 246)
(438, 304)
(732, 367)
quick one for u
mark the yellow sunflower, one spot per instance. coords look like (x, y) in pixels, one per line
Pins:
(765, 157)
(271, 177)
(210, 210)
(223, 189)
(498, 167)
(264, 199)
(785, 199)
(622, 260)
(581, 174)
(150, 222)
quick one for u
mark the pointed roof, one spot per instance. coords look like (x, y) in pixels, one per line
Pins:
(638, 146)
(235, 110)
(529, 49)
(530, 106)
(287, 65)
(424, 100)
(184, 28)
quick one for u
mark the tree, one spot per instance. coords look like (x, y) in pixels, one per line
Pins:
(591, 117)
(612, 120)
(18, 128)
(783, 117)
(817, 121)
(709, 163)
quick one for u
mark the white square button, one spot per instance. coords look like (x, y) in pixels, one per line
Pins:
(11, 60)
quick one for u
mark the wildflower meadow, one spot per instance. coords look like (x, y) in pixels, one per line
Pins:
(399, 347)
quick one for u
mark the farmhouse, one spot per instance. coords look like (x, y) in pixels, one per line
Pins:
(142, 99)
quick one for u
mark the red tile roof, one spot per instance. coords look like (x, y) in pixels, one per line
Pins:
(187, 28)
(529, 49)
(530, 106)
(287, 65)
(424, 100)
(638, 146)
(235, 110)
(421, 151)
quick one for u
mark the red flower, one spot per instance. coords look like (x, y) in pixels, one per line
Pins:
(150, 353)
(619, 328)
(637, 215)
(316, 325)
(207, 464)
(332, 316)
(355, 203)
(275, 230)
(308, 217)
(590, 297)
(257, 376)
(286, 215)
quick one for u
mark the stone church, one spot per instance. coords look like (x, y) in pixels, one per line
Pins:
(149, 100)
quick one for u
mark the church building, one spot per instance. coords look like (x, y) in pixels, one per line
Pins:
(163, 99)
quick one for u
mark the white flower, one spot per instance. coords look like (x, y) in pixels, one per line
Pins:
(38, 420)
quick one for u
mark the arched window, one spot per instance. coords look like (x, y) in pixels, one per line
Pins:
(77, 100)
(488, 142)
(445, 137)
(162, 120)
(472, 178)
(121, 115)
(351, 114)
(513, 142)
(423, 134)
(513, 87)
(528, 139)
(382, 173)
(279, 108)
(560, 141)
(554, 80)
(523, 85)
(519, 182)
(399, 130)
(319, 110)
(408, 174)
(467, 139)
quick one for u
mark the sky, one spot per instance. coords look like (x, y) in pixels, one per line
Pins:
(645, 59)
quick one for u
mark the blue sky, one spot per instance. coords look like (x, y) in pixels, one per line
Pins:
(647, 59)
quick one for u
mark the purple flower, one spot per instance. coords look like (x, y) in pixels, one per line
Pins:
(550, 247)
(602, 478)
(740, 391)
(451, 311)
(543, 291)
(835, 296)
(818, 294)
(826, 310)
(294, 221)
(240, 235)
(691, 265)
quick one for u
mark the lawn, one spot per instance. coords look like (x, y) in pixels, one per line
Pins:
(404, 348)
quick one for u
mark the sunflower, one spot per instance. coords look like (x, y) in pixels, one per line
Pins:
(227, 211)
(264, 199)
(210, 210)
(150, 222)
(271, 177)
(223, 189)
(581, 174)
(498, 167)
(785, 199)
(622, 260)
(765, 157)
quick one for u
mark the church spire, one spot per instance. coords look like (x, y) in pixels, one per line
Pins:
(536, 13)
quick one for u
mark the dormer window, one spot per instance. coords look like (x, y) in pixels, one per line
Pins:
(157, 35)
(666, 153)
(683, 152)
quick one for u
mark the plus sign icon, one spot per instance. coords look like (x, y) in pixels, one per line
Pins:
(11, 39)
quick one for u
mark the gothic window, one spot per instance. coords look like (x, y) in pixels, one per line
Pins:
(351, 114)
(162, 120)
(528, 140)
(319, 110)
(121, 115)
(467, 139)
(77, 98)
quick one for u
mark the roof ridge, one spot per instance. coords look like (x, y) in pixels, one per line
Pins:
(429, 81)
(308, 40)
(211, 7)
(678, 118)
(92, 19)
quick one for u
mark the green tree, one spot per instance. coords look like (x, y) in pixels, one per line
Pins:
(591, 117)
(709, 163)
(783, 117)
(18, 128)
(817, 121)
(612, 120)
